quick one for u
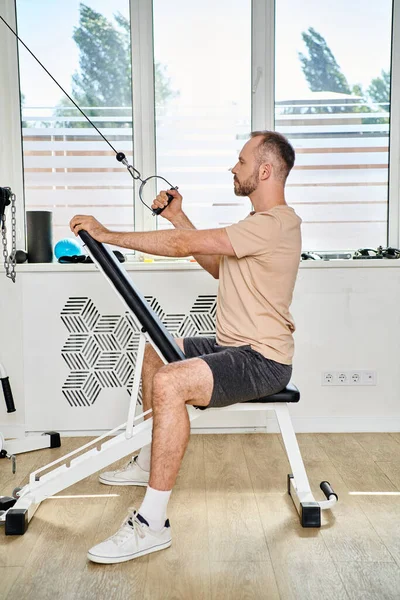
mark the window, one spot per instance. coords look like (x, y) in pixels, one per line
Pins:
(332, 102)
(68, 167)
(203, 103)
(213, 83)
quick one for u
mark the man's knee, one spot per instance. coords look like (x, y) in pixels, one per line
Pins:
(166, 388)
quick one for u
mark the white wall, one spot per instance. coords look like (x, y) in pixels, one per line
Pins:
(346, 316)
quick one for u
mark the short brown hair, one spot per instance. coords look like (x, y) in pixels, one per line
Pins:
(276, 143)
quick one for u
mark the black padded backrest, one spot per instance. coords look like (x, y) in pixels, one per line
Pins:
(117, 275)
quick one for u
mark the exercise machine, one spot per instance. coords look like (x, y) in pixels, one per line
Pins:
(17, 511)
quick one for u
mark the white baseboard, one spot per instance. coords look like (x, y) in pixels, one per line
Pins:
(249, 424)
(12, 431)
(339, 424)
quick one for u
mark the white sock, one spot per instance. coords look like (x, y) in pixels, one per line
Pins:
(144, 458)
(154, 508)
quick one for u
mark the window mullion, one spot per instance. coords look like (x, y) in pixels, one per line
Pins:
(11, 167)
(394, 145)
(263, 64)
(144, 154)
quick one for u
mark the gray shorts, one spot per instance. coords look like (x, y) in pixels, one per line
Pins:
(240, 373)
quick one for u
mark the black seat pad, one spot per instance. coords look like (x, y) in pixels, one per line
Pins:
(289, 394)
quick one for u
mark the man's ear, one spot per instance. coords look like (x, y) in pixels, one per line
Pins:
(265, 171)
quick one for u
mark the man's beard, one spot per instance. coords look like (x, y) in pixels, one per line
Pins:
(247, 187)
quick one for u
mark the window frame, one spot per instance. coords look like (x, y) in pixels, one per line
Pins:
(143, 105)
(11, 156)
(394, 133)
(263, 65)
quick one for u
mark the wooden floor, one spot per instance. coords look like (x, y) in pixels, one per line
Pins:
(235, 531)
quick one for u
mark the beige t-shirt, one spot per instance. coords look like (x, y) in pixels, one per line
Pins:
(256, 286)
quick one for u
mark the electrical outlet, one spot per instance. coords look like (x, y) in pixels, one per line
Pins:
(355, 378)
(328, 378)
(349, 377)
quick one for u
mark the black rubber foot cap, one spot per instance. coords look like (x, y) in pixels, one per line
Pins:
(16, 521)
(55, 441)
(310, 514)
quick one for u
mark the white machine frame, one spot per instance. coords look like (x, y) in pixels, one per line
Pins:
(99, 454)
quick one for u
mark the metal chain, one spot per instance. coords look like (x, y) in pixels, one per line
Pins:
(10, 261)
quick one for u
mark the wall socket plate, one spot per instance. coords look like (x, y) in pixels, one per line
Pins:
(353, 377)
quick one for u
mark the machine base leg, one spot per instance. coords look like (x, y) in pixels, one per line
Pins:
(16, 521)
(309, 512)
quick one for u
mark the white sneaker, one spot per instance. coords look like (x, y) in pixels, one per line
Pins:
(134, 539)
(130, 474)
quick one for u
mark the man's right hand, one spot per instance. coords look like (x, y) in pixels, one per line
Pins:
(173, 209)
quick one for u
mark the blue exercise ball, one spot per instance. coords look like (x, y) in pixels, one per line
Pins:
(67, 247)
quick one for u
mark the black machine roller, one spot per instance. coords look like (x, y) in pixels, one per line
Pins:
(133, 298)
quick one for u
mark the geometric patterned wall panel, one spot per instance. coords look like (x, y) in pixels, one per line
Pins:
(101, 349)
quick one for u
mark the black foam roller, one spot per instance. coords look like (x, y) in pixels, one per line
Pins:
(149, 320)
(327, 489)
(39, 224)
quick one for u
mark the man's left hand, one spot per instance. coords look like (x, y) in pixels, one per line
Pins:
(91, 225)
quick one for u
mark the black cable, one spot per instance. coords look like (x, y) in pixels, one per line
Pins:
(56, 82)
(120, 156)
